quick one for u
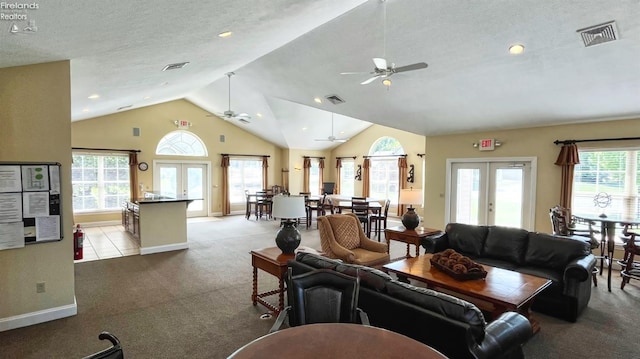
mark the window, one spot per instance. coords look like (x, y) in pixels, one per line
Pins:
(605, 174)
(100, 182)
(347, 178)
(181, 143)
(314, 177)
(383, 173)
(244, 175)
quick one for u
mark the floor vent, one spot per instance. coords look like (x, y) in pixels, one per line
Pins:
(599, 34)
(175, 66)
(334, 99)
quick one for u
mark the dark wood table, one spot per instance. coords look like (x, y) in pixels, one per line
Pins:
(272, 261)
(374, 206)
(501, 291)
(408, 236)
(608, 233)
(335, 340)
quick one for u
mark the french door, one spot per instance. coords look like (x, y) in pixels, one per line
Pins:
(491, 192)
(184, 179)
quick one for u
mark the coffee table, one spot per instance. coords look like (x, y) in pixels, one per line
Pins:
(501, 291)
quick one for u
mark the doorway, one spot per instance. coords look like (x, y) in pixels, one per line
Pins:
(496, 191)
(184, 179)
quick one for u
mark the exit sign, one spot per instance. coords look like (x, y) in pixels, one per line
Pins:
(183, 124)
(487, 144)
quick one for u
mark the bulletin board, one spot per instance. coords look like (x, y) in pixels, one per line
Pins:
(30, 210)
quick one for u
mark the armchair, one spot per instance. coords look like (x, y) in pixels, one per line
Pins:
(342, 237)
(321, 296)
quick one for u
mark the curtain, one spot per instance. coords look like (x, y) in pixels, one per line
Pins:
(321, 176)
(365, 177)
(226, 203)
(402, 182)
(305, 174)
(567, 159)
(338, 170)
(133, 175)
(265, 167)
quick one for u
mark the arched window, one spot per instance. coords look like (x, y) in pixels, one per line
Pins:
(181, 143)
(383, 173)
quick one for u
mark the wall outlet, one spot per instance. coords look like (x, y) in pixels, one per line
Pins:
(40, 288)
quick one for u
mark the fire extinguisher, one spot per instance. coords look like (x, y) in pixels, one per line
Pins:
(78, 239)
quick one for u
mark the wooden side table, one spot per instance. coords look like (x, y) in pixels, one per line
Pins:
(408, 236)
(272, 261)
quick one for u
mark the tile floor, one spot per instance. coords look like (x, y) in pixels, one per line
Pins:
(108, 242)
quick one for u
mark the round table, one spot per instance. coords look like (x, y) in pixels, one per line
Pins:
(335, 340)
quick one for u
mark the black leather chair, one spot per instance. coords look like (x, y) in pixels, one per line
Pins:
(321, 296)
(114, 352)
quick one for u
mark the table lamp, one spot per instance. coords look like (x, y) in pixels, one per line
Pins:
(411, 196)
(289, 209)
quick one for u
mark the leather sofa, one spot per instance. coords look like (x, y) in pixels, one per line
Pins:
(450, 325)
(565, 260)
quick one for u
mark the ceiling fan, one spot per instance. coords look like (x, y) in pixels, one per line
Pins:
(230, 115)
(382, 68)
(333, 138)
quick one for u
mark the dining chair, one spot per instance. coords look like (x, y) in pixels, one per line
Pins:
(251, 204)
(631, 267)
(113, 352)
(307, 218)
(379, 219)
(321, 296)
(360, 207)
(264, 204)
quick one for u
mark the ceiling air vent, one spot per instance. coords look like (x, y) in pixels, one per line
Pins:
(124, 107)
(242, 120)
(175, 66)
(599, 34)
(334, 99)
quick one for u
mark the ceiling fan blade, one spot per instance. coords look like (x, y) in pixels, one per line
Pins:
(341, 140)
(416, 66)
(380, 63)
(323, 139)
(355, 73)
(370, 80)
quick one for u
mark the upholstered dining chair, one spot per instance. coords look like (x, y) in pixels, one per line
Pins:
(342, 237)
(113, 352)
(321, 296)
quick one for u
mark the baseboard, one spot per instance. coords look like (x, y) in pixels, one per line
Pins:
(100, 224)
(165, 248)
(41, 316)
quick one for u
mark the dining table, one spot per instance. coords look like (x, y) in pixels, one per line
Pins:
(374, 206)
(335, 340)
(608, 225)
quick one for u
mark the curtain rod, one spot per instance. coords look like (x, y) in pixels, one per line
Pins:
(384, 156)
(242, 155)
(103, 149)
(313, 157)
(339, 158)
(568, 142)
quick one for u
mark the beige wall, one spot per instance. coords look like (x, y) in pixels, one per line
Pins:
(116, 132)
(35, 126)
(531, 142)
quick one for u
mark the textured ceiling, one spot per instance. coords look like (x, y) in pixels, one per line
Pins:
(287, 52)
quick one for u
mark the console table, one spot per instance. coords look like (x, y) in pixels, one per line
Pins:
(408, 236)
(272, 261)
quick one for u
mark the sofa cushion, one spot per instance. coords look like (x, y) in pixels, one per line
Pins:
(369, 277)
(317, 261)
(466, 238)
(440, 303)
(506, 243)
(555, 252)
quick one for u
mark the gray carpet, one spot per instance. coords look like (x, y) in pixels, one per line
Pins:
(196, 303)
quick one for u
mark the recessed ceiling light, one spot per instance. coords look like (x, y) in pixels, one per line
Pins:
(304, 129)
(259, 114)
(516, 49)
(94, 96)
(147, 97)
(225, 34)
(85, 110)
(317, 100)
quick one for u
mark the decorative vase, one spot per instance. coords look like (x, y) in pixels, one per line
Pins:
(410, 220)
(288, 237)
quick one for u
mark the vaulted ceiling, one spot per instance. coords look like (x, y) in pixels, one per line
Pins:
(285, 53)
